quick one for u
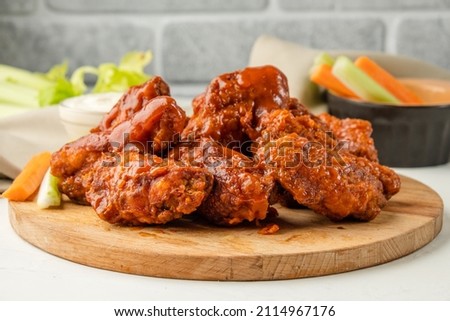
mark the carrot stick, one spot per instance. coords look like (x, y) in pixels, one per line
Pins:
(28, 181)
(386, 80)
(322, 76)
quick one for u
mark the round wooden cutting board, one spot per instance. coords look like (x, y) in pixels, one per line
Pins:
(306, 245)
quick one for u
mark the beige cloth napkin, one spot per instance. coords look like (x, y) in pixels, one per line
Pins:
(25, 134)
(295, 60)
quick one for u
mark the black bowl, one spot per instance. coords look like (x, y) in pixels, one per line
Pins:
(405, 136)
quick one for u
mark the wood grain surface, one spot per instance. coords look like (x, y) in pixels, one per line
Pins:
(306, 245)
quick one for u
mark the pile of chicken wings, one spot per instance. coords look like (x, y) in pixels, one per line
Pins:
(247, 146)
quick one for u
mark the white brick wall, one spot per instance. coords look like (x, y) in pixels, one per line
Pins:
(194, 40)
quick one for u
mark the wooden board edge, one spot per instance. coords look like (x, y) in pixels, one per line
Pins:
(241, 268)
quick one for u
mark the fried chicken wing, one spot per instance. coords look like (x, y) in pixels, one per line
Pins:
(132, 102)
(334, 187)
(91, 167)
(152, 128)
(355, 132)
(72, 164)
(145, 189)
(230, 109)
(319, 171)
(241, 191)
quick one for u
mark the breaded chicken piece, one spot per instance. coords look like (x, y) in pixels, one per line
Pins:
(72, 164)
(319, 171)
(144, 189)
(335, 186)
(152, 128)
(229, 110)
(355, 132)
(241, 191)
(133, 101)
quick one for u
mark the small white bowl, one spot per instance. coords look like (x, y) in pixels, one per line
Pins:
(80, 114)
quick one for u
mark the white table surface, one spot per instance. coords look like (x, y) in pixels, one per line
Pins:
(28, 273)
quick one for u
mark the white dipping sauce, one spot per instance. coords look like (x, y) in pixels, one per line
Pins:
(101, 103)
(80, 114)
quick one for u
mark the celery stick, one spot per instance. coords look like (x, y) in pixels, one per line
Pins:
(136, 61)
(49, 194)
(18, 95)
(77, 78)
(360, 83)
(23, 77)
(323, 58)
(24, 88)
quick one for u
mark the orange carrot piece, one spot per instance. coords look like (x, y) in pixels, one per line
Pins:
(385, 79)
(28, 181)
(322, 76)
